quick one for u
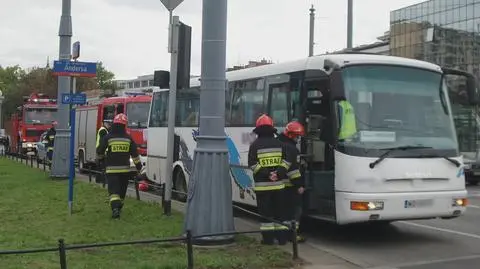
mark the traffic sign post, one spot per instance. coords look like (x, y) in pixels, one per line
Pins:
(72, 99)
(170, 5)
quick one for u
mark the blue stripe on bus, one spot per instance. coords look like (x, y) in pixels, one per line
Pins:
(239, 175)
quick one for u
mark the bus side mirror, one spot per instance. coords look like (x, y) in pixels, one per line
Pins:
(461, 86)
(337, 89)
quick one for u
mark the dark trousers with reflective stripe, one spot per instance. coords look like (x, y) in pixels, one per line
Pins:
(294, 203)
(271, 204)
(117, 188)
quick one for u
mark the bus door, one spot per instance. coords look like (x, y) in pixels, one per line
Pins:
(318, 145)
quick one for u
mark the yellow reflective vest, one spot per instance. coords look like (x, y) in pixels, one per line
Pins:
(348, 126)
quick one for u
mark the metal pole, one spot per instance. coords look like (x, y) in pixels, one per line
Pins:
(72, 161)
(350, 24)
(172, 98)
(312, 32)
(1, 114)
(60, 163)
(210, 177)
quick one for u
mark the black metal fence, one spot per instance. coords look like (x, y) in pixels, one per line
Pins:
(186, 239)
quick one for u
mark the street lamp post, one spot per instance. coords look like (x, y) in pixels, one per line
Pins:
(60, 164)
(209, 203)
(350, 24)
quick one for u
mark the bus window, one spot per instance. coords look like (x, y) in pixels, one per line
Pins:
(187, 108)
(247, 102)
(159, 110)
(279, 105)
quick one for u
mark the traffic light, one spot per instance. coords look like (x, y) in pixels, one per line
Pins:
(161, 78)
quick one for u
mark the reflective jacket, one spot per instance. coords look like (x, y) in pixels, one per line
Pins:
(50, 137)
(100, 134)
(266, 155)
(118, 149)
(295, 178)
(348, 125)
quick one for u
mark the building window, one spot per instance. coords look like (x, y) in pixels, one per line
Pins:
(144, 83)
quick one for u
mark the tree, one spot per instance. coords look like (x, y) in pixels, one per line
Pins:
(105, 78)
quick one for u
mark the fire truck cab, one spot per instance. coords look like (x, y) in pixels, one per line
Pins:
(32, 119)
(91, 116)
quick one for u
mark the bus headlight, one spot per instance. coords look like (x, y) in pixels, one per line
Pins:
(366, 206)
(460, 202)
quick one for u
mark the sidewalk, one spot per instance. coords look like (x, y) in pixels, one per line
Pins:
(312, 255)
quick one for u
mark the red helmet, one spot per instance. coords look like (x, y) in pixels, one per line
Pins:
(294, 129)
(264, 120)
(121, 119)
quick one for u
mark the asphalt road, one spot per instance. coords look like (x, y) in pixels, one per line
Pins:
(429, 244)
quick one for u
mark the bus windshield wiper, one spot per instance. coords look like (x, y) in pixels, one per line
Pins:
(390, 150)
(455, 162)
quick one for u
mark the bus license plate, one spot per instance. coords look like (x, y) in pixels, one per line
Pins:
(418, 203)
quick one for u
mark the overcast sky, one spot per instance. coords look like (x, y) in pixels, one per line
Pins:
(130, 36)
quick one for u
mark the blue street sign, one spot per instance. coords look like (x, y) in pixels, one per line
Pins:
(74, 69)
(74, 99)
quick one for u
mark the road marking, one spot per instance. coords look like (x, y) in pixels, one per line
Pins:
(462, 258)
(476, 236)
(473, 206)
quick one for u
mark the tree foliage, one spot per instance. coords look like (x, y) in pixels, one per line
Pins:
(16, 82)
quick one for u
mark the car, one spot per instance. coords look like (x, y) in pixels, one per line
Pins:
(471, 169)
(41, 147)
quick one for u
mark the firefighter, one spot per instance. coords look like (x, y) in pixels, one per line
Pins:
(103, 131)
(266, 157)
(50, 137)
(295, 184)
(118, 147)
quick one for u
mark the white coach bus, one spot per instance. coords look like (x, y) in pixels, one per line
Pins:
(403, 163)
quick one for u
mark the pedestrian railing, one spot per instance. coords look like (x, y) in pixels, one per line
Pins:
(188, 239)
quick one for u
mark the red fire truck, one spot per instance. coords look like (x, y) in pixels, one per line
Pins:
(32, 118)
(89, 119)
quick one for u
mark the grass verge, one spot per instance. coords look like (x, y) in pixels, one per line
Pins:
(34, 214)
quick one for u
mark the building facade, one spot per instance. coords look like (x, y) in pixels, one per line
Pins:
(447, 33)
(140, 84)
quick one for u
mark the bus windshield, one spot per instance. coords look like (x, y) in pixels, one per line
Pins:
(40, 115)
(137, 114)
(398, 106)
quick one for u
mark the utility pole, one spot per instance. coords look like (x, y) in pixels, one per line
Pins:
(209, 203)
(350, 24)
(60, 165)
(311, 43)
